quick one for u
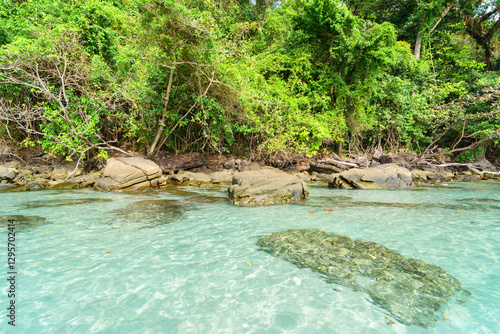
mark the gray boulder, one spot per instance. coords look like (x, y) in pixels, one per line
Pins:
(266, 186)
(65, 169)
(387, 176)
(7, 186)
(131, 173)
(424, 177)
(7, 173)
(221, 177)
(189, 178)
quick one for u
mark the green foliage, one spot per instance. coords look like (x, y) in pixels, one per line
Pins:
(232, 76)
(470, 155)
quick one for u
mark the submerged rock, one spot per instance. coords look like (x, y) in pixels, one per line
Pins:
(150, 213)
(179, 191)
(412, 290)
(347, 203)
(64, 185)
(62, 202)
(266, 186)
(21, 222)
(388, 176)
(486, 203)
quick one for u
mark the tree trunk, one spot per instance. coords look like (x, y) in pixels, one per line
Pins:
(488, 54)
(152, 149)
(261, 8)
(418, 44)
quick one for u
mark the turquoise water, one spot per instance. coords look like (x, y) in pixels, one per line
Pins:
(98, 266)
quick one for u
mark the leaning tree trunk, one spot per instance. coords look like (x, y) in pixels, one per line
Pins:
(418, 44)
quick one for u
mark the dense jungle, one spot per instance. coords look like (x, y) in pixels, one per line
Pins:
(266, 80)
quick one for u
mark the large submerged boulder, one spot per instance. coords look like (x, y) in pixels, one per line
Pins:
(149, 213)
(130, 173)
(413, 291)
(266, 186)
(388, 176)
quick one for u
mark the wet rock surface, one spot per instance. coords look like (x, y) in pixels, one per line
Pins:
(266, 186)
(413, 291)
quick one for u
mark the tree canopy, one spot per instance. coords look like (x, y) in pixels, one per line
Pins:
(273, 79)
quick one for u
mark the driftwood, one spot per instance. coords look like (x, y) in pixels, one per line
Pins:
(330, 166)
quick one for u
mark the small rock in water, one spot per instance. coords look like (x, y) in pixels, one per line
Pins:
(413, 291)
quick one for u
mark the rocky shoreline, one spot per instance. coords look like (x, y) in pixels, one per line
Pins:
(138, 173)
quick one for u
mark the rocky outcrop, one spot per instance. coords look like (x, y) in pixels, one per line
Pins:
(186, 178)
(266, 186)
(422, 177)
(7, 173)
(130, 173)
(492, 176)
(224, 177)
(424, 173)
(189, 178)
(411, 290)
(388, 176)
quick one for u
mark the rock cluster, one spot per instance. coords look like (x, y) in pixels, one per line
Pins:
(413, 291)
(266, 186)
(137, 173)
(388, 176)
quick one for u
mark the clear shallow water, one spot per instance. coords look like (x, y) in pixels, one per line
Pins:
(89, 269)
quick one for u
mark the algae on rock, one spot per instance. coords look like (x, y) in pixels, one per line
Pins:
(412, 290)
